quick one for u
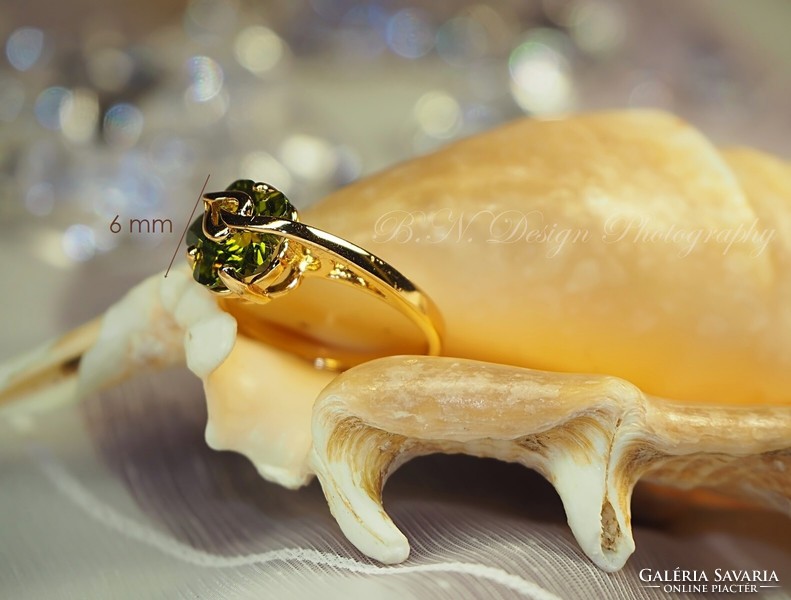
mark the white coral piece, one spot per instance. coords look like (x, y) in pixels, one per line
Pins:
(591, 436)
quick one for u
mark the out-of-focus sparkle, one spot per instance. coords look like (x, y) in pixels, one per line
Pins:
(24, 47)
(48, 106)
(309, 157)
(47, 245)
(123, 124)
(258, 49)
(79, 243)
(262, 166)
(79, 113)
(409, 33)
(206, 76)
(540, 74)
(438, 114)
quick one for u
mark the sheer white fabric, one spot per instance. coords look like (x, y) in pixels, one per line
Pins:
(120, 498)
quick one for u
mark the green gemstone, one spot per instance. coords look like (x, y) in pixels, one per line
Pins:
(248, 253)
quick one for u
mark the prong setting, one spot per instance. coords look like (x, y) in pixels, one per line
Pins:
(230, 258)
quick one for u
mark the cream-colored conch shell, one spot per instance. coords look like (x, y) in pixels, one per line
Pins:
(622, 245)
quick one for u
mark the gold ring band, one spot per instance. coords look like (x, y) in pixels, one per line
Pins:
(237, 218)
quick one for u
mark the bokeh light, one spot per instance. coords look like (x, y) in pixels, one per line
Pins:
(123, 124)
(409, 33)
(438, 114)
(48, 106)
(258, 49)
(262, 166)
(314, 94)
(79, 113)
(309, 157)
(79, 243)
(206, 76)
(24, 47)
(541, 80)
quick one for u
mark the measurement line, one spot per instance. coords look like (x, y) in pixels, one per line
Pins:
(189, 220)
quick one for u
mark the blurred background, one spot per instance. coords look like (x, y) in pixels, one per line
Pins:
(122, 109)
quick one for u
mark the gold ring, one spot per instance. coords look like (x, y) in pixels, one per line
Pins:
(250, 245)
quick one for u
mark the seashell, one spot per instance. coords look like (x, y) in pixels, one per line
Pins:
(546, 246)
(591, 436)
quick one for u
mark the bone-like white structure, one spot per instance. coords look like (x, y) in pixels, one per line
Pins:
(591, 436)
(160, 323)
(698, 324)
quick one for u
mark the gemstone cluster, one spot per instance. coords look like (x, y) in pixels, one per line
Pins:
(249, 254)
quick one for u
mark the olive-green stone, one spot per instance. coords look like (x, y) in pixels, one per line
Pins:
(248, 253)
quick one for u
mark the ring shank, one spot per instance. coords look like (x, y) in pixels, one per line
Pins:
(339, 260)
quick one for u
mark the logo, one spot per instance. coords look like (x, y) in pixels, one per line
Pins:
(723, 581)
